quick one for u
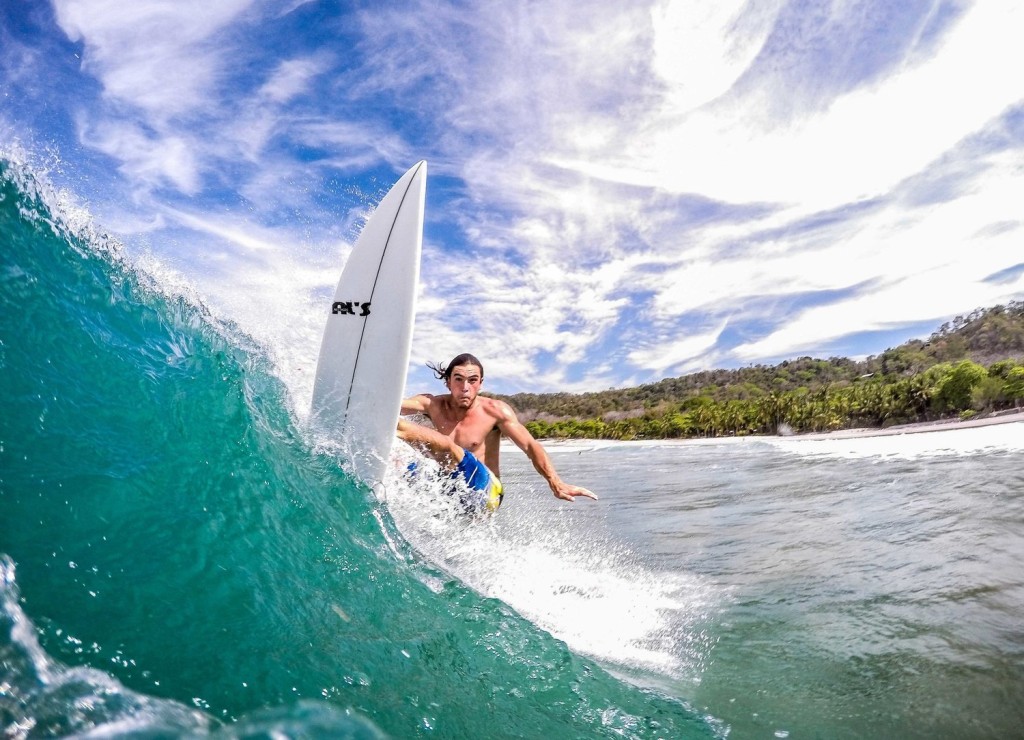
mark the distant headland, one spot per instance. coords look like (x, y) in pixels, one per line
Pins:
(970, 368)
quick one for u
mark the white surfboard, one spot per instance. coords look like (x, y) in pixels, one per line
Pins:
(364, 356)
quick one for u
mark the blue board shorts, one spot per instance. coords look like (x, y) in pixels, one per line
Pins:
(485, 490)
(482, 492)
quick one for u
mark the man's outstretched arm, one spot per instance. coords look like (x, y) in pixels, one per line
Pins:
(514, 430)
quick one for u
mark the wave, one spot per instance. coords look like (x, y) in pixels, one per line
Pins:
(41, 697)
(189, 561)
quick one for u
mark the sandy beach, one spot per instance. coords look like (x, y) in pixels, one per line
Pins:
(1002, 417)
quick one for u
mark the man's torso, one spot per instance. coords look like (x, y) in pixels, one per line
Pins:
(477, 431)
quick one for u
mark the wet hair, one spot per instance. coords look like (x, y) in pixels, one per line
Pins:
(444, 372)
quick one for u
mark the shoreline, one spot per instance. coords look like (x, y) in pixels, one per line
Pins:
(1002, 417)
(923, 427)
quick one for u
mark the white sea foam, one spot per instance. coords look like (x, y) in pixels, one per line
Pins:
(952, 441)
(575, 581)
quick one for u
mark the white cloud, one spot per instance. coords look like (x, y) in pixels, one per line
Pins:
(861, 145)
(147, 159)
(928, 265)
(360, 144)
(680, 356)
(291, 78)
(700, 50)
(179, 104)
(240, 234)
(151, 55)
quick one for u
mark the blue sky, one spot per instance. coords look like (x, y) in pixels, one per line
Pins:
(619, 192)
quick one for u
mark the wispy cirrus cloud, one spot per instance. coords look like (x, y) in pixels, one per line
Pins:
(158, 58)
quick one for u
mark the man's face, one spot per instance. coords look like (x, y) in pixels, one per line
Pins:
(464, 384)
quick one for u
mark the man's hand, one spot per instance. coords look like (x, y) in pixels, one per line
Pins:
(567, 492)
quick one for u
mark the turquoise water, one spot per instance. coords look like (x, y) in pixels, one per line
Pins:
(178, 557)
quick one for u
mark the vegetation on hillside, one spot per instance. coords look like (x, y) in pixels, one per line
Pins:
(975, 364)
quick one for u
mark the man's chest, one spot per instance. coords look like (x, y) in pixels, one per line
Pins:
(468, 432)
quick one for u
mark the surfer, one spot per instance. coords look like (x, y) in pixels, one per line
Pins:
(467, 433)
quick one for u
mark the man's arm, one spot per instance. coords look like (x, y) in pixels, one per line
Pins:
(510, 426)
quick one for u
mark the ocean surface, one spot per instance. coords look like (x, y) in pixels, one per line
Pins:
(180, 557)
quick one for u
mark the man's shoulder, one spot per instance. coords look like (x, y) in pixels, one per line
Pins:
(429, 403)
(496, 408)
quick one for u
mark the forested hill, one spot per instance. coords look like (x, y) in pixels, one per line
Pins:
(972, 364)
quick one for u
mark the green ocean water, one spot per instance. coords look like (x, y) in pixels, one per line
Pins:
(178, 558)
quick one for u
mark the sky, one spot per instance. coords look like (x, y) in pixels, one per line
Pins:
(617, 193)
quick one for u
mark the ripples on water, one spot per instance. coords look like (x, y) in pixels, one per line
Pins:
(864, 587)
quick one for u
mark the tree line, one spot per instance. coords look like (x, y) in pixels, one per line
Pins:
(972, 365)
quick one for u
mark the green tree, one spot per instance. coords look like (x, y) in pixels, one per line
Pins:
(1002, 368)
(988, 394)
(1014, 385)
(954, 391)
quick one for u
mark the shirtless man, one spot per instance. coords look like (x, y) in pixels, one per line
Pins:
(468, 431)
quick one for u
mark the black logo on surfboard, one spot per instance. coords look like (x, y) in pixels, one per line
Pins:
(349, 308)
